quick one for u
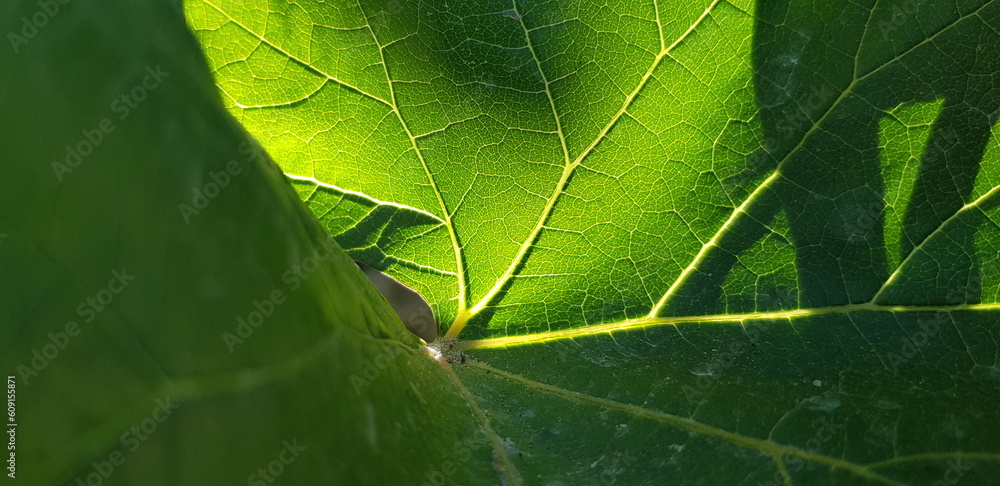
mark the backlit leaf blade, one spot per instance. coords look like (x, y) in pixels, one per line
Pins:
(604, 202)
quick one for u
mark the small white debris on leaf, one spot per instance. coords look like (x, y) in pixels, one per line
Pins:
(444, 351)
(434, 352)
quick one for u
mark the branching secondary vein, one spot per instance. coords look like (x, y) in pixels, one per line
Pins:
(318, 183)
(937, 231)
(766, 446)
(287, 54)
(509, 471)
(766, 185)
(463, 317)
(452, 234)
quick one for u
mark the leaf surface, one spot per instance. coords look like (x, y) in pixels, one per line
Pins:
(231, 342)
(670, 235)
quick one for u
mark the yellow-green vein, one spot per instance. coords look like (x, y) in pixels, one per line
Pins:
(186, 389)
(776, 173)
(937, 231)
(318, 183)
(462, 318)
(645, 322)
(769, 447)
(446, 215)
(510, 472)
(298, 61)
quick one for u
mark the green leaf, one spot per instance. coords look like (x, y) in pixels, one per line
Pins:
(171, 312)
(726, 243)
(751, 243)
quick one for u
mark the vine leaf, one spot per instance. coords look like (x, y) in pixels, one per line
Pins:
(171, 312)
(666, 235)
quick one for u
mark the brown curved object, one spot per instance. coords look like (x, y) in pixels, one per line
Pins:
(411, 308)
